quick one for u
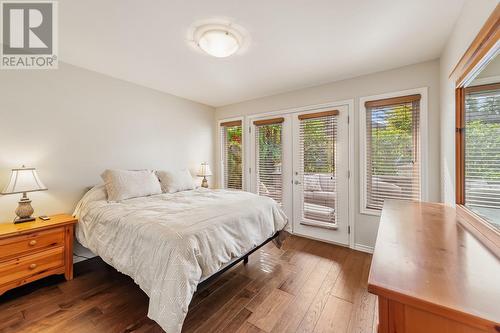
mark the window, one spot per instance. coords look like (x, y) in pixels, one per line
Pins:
(391, 150)
(268, 136)
(482, 152)
(478, 66)
(232, 154)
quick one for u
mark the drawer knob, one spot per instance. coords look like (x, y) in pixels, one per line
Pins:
(32, 242)
(32, 266)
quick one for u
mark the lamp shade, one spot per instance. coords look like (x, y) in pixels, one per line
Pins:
(204, 170)
(24, 180)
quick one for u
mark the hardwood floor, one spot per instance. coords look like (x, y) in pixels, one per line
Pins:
(307, 286)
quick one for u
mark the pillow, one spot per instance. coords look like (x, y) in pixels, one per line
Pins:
(96, 193)
(175, 181)
(125, 184)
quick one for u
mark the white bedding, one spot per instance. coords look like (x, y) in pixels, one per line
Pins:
(168, 243)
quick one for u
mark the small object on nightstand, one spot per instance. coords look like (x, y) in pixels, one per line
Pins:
(33, 250)
(24, 180)
(44, 218)
(204, 172)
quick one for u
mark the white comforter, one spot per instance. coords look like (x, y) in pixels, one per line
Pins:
(168, 243)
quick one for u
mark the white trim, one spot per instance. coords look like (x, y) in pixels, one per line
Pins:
(351, 149)
(220, 145)
(363, 248)
(423, 144)
(314, 107)
(485, 61)
(351, 182)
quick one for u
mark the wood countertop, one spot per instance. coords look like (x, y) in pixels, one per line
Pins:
(425, 258)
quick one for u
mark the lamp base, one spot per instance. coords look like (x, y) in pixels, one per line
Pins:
(24, 210)
(204, 183)
(22, 220)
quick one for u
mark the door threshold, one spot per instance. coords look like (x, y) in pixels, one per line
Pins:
(322, 239)
(323, 225)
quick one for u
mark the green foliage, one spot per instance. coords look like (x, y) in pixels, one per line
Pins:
(319, 145)
(482, 140)
(270, 143)
(234, 156)
(392, 140)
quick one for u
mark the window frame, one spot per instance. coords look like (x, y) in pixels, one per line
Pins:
(255, 166)
(220, 152)
(423, 91)
(482, 49)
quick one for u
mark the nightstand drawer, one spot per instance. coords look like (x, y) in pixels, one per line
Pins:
(35, 241)
(26, 266)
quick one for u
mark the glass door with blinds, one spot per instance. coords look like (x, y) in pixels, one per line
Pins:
(320, 174)
(301, 161)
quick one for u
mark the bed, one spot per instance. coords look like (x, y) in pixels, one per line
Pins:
(169, 243)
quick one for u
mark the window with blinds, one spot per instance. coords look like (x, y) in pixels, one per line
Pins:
(232, 156)
(269, 157)
(317, 139)
(392, 150)
(482, 151)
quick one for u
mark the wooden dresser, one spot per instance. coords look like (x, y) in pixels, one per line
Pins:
(431, 275)
(32, 250)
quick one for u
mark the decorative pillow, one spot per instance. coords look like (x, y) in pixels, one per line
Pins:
(311, 183)
(125, 184)
(175, 181)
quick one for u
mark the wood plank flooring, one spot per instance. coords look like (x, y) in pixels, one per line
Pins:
(307, 286)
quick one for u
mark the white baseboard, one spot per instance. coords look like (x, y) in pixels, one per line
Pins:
(363, 248)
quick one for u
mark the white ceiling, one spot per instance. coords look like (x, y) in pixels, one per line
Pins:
(294, 43)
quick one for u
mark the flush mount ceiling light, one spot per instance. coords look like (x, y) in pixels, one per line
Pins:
(218, 40)
(219, 43)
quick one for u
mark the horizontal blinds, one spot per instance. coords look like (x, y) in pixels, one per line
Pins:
(268, 136)
(317, 139)
(393, 150)
(482, 151)
(231, 135)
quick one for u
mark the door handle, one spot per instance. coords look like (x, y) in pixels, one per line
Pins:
(297, 182)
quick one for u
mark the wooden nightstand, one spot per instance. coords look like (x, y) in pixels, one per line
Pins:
(33, 250)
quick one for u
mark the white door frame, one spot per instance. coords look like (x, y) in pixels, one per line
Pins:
(350, 105)
(338, 234)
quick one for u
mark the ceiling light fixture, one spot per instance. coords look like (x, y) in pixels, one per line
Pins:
(218, 40)
(218, 43)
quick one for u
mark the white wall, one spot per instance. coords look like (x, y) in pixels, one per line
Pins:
(72, 124)
(472, 17)
(414, 76)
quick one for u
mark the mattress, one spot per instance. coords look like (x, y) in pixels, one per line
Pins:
(168, 243)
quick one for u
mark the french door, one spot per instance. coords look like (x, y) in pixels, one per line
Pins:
(301, 160)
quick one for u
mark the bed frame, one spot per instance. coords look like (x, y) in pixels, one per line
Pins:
(243, 258)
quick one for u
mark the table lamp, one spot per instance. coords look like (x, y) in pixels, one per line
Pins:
(24, 180)
(204, 172)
